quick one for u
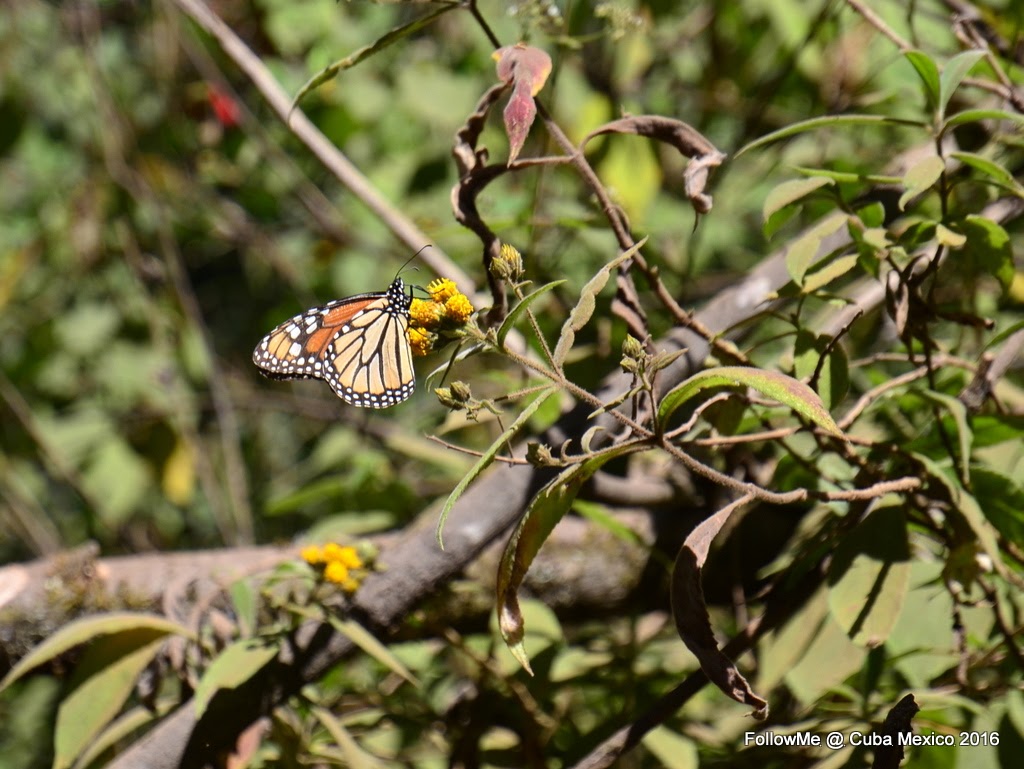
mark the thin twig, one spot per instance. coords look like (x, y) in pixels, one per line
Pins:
(876, 21)
(332, 158)
(875, 490)
(765, 495)
(472, 453)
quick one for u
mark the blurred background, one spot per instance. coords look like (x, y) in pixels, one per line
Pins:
(157, 219)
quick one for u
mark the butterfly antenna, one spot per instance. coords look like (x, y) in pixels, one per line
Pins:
(410, 259)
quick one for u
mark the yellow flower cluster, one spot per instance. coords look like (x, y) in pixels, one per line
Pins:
(341, 564)
(430, 319)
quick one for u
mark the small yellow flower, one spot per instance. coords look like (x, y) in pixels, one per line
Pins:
(458, 309)
(331, 552)
(351, 584)
(336, 572)
(422, 342)
(425, 313)
(350, 558)
(442, 289)
(311, 555)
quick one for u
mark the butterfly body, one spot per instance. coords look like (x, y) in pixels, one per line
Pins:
(358, 345)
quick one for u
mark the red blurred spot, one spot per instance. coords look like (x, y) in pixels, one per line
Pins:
(224, 107)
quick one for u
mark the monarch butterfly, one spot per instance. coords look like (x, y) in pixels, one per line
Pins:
(358, 345)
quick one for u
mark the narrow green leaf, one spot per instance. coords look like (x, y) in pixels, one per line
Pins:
(232, 667)
(953, 73)
(920, 177)
(830, 121)
(968, 507)
(519, 309)
(461, 352)
(120, 729)
(958, 411)
(869, 576)
(1005, 334)
(487, 457)
(786, 390)
(103, 681)
(834, 269)
(393, 36)
(999, 175)
(369, 643)
(86, 629)
(355, 757)
(244, 599)
(585, 307)
(545, 511)
(791, 191)
(847, 177)
(975, 115)
(928, 71)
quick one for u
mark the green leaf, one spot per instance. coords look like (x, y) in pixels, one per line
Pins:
(545, 511)
(958, 411)
(830, 121)
(88, 328)
(517, 311)
(585, 307)
(848, 177)
(244, 600)
(803, 251)
(869, 576)
(119, 730)
(921, 642)
(1002, 500)
(369, 643)
(920, 177)
(783, 648)
(86, 629)
(976, 115)
(354, 756)
(989, 248)
(393, 36)
(103, 680)
(673, 750)
(953, 73)
(928, 71)
(968, 507)
(873, 214)
(232, 667)
(786, 390)
(948, 237)
(834, 269)
(998, 174)
(488, 457)
(829, 659)
(789, 192)
(834, 379)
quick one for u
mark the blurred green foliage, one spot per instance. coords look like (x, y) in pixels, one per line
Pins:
(148, 240)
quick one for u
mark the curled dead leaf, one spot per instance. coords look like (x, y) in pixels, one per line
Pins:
(691, 613)
(703, 155)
